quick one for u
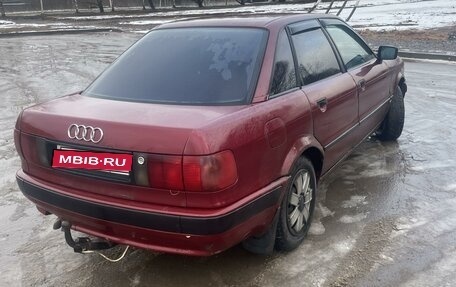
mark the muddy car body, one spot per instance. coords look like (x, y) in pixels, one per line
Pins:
(208, 133)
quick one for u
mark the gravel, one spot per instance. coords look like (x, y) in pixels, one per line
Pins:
(439, 40)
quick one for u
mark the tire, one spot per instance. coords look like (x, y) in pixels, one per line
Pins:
(293, 224)
(392, 125)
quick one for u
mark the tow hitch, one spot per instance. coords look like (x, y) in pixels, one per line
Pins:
(85, 244)
(81, 244)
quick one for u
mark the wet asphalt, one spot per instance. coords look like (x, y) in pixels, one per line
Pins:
(385, 217)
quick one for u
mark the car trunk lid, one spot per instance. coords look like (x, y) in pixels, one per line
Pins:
(128, 126)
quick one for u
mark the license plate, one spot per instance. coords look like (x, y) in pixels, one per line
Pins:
(92, 160)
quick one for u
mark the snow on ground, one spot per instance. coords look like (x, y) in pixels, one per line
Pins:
(371, 14)
(354, 201)
(4, 22)
(247, 9)
(12, 25)
(353, 218)
(402, 15)
(375, 15)
(151, 22)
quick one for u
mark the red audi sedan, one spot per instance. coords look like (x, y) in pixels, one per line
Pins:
(208, 133)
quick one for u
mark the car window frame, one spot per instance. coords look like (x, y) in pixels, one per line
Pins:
(325, 22)
(307, 26)
(297, 87)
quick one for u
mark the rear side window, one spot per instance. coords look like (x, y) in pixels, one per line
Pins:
(284, 77)
(214, 66)
(351, 48)
(316, 59)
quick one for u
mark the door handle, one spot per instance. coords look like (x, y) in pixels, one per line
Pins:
(362, 84)
(322, 104)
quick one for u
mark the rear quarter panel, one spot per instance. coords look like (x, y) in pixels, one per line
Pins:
(261, 137)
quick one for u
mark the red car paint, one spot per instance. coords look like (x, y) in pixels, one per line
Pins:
(163, 208)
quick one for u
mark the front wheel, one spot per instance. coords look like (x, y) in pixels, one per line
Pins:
(393, 123)
(297, 206)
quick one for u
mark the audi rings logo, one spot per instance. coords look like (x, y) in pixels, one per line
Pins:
(85, 133)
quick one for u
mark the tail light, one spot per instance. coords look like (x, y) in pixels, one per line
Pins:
(209, 173)
(17, 142)
(17, 135)
(165, 171)
(192, 173)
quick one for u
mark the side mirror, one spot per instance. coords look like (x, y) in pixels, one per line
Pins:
(387, 53)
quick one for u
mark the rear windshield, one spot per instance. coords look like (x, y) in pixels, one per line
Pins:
(209, 66)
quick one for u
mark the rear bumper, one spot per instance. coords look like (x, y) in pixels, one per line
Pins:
(192, 235)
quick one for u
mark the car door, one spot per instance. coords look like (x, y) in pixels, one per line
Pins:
(331, 93)
(370, 76)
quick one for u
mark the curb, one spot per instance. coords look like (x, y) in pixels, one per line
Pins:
(52, 32)
(427, 56)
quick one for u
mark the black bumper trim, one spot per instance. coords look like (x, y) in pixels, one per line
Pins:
(149, 220)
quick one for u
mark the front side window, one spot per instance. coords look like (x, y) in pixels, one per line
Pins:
(351, 48)
(316, 58)
(195, 66)
(284, 76)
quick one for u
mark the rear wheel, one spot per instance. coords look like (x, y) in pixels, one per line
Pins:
(393, 123)
(297, 206)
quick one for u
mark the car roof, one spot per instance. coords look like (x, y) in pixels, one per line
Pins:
(246, 21)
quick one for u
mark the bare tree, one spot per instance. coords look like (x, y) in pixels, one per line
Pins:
(2, 9)
(42, 8)
(75, 2)
(100, 5)
(200, 3)
(151, 4)
(111, 3)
